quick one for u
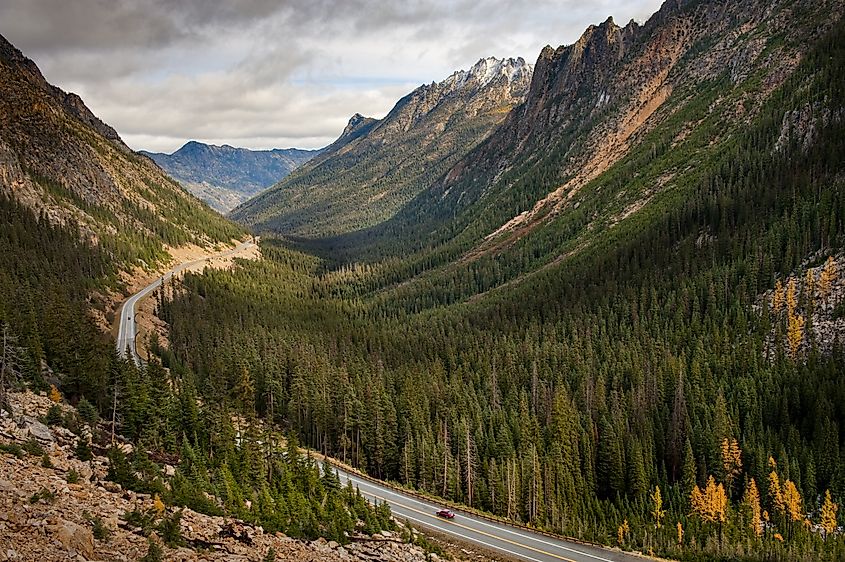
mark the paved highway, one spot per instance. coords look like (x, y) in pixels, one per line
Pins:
(126, 328)
(511, 541)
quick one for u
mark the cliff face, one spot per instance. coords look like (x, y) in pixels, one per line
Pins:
(377, 166)
(59, 159)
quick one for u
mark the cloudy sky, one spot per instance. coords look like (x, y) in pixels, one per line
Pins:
(275, 73)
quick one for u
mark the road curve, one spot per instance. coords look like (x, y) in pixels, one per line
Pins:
(511, 541)
(126, 327)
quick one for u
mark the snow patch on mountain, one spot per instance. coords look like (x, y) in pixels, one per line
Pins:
(487, 70)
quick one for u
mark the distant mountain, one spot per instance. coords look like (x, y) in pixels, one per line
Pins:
(376, 166)
(225, 176)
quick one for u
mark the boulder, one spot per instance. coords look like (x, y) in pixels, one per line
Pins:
(74, 537)
(37, 430)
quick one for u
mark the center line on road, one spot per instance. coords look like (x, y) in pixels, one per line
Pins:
(480, 533)
(503, 528)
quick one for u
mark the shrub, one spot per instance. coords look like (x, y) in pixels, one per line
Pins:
(72, 477)
(83, 450)
(87, 412)
(154, 552)
(170, 530)
(33, 448)
(99, 530)
(42, 494)
(54, 416)
(12, 449)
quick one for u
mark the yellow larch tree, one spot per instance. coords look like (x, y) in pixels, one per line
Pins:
(657, 501)
(827, 277)
(792, 501)
(794, 333)
(731, 460)
(829, 510)
(775, 492)
(751, 501)
(791, 297)
(710, 504)
(810, 287)
(158, 505)
(55, 395)
(622, 532)
(680, 533)
(777, 298)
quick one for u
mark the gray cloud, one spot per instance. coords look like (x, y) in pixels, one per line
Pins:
(266, 73)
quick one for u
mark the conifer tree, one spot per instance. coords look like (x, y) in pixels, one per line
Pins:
(711, 503)
(778, 297)
(792, 501)
(751, 502)
(731, 461)
(828, 515)
(827, 277)
(657, 507)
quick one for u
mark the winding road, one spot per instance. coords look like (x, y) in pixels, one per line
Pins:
(513, 542)
(126, 332)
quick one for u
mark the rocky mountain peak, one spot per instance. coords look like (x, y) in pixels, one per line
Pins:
(488, 70)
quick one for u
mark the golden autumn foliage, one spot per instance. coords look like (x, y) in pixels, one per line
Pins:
(158, 505)
(751, 500)
(829, 510)
(791, 298)
(680, 533)
(731, 459)
(779, 537)
(792, 501)
(55, 395)
(794, 333)
(810, 286)
(622, 531)
(827, 277)
(711, 504)
(775, 492)
(777, 298)
(657, 501)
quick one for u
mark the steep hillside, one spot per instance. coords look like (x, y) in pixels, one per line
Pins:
(224, 176)
(375, 167)
(78, 210)
(59, 160)
(612, 120)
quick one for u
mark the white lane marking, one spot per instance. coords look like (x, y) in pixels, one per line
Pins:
(453, 532)
(481, 522)
(126, 328)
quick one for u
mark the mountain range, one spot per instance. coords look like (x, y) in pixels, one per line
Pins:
(377, 166)
(225, 176)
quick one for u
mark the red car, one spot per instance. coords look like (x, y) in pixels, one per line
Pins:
(446, 514)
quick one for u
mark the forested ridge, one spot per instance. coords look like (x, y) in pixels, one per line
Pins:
(566, 400)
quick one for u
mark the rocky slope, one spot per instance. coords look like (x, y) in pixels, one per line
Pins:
(225, 176)
(611, 123)
(59, 159)
(55, 507)
(377, 166)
